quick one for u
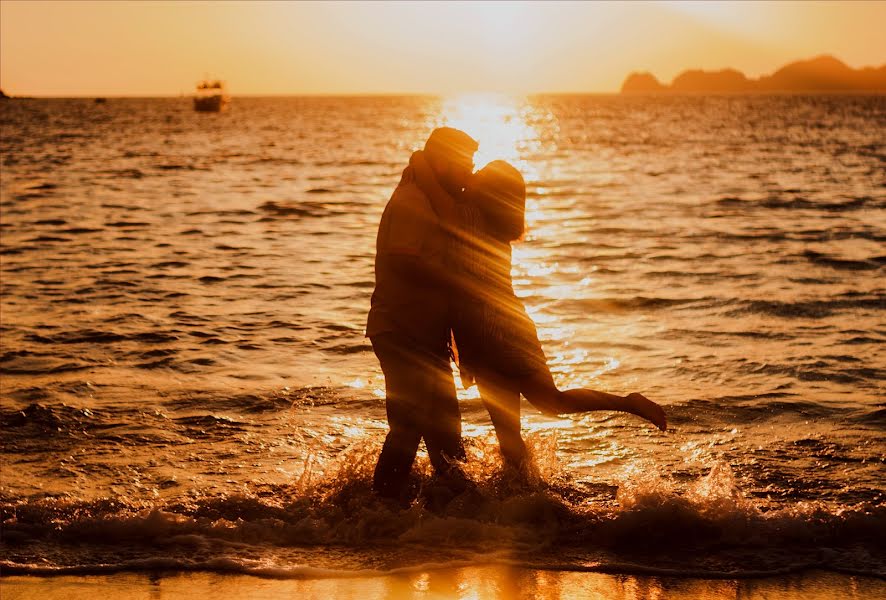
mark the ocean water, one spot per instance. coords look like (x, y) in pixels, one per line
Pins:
(186, 384)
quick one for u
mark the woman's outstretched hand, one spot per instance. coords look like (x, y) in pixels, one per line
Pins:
(649, 410)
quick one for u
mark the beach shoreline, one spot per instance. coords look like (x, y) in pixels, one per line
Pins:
(489, 582)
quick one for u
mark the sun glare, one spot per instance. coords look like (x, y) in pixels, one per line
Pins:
(498, 122)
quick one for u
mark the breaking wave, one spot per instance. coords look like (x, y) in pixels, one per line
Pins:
(328, 523)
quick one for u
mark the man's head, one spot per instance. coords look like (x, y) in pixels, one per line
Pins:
(450, 153)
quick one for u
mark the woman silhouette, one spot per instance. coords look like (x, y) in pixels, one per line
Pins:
(497, 342)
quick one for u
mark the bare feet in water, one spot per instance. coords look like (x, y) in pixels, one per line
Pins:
(649, 410)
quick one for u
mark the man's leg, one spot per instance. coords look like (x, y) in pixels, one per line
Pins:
(401, 379)
(442, 431)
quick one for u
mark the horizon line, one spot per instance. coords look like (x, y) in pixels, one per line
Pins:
(833, 92)
(439, 93)
(320, 94)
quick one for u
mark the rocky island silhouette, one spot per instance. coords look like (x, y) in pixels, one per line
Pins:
(821, 74)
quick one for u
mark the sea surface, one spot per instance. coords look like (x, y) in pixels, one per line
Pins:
(186, 384)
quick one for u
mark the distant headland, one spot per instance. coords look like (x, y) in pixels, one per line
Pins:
(820, 74)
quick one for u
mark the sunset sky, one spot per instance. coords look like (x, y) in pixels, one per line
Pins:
(157, 48)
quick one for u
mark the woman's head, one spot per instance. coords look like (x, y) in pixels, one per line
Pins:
(499, 192)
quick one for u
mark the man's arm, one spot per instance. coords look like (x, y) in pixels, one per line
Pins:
(414, 238)
(441, 201)
(420, 272)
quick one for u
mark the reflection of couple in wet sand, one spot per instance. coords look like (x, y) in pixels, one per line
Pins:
(443, 273)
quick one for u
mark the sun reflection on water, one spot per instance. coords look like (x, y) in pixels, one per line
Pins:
(501, 124)
(511, 128)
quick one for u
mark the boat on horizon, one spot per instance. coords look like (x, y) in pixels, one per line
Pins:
(211, 96)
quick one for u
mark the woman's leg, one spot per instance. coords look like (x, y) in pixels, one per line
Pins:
(542, 393)
(503, 403)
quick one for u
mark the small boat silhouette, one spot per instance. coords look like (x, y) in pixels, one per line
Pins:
(211, 96)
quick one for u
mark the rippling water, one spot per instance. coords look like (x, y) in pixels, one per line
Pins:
(185, 381)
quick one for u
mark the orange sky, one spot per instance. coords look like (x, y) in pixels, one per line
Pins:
(157, 48)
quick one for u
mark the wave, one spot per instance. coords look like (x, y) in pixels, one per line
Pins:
(131, 173)
(808, 309)
(23, 362)
(290, 209)
(179, 167)
(330, 522)
(243, 566)
(871, 264)
(229, 566)
(800, 203)
(43, 186)
(875, 417)
(127, 224)
(42, 421)
(819, 370)
(95, 336)
(637, 303)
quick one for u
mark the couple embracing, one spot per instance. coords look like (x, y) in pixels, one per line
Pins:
(443, 291)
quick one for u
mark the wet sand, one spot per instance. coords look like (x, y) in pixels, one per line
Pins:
(476, 583)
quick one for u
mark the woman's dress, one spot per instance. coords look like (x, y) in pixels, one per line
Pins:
(491, 328)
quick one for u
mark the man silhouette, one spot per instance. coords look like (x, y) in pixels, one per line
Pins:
(409, 320)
